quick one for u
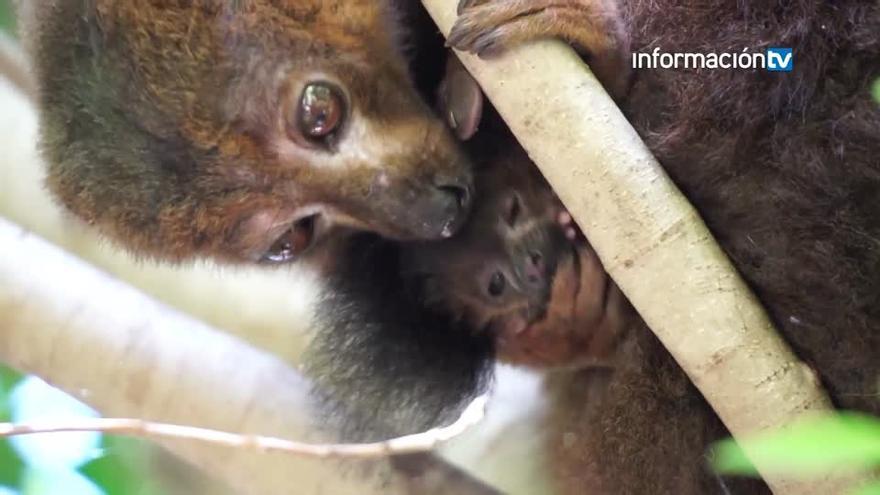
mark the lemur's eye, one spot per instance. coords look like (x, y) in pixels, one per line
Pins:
(497, 284)
(292, 243)
(512, 210)
(320, 113)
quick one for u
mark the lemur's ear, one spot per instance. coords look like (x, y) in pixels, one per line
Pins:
(460, 99)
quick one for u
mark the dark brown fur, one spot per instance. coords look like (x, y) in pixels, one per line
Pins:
(163, 123)
(784, 168)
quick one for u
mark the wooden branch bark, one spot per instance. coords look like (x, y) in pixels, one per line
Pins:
(649, 238)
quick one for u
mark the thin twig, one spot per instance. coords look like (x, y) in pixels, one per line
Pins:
(408, 444)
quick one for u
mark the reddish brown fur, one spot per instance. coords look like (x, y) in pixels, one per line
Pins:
(784, 168)
(163, 123)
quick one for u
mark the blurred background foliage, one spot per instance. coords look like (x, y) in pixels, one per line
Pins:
(7, 20)
(842, 442)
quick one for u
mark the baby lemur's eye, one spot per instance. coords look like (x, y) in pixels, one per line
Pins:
(292, 243)
(320, 113)
(497, 284)
(512, 210)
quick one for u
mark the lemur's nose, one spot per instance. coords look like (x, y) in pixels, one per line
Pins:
(458, 196)
(462, 195)
(535, 269)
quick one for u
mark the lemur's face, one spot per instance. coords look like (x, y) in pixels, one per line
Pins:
(343, 137)
(521, 271)
(499, 270)
(246, 131)
(347, 151)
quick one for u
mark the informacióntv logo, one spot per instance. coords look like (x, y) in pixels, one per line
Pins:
(774, 59)
(780, 59)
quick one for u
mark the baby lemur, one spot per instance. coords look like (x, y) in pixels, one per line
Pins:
(239, 130)
(519, 269)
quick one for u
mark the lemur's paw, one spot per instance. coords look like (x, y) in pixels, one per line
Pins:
(593, 27)
(466, 4)
(582, 325)
(482, 26)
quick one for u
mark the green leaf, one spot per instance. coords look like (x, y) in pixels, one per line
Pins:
(872, 489)
(875, 90)
(11, 466)
(7, 18)
(123, 470)
(842, 441)
(8, 376)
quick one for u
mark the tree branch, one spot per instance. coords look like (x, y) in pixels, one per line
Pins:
(417, 443)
